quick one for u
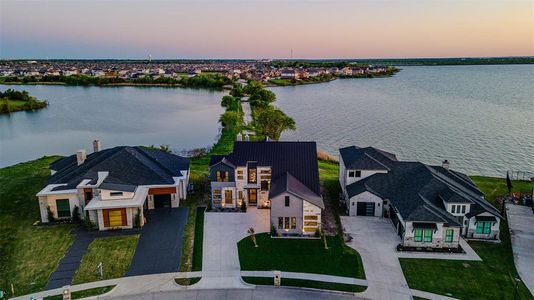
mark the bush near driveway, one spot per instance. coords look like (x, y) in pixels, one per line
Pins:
(300, 255)
(492, 278)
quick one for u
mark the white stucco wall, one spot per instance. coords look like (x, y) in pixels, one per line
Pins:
(129, 219)
(50, 201)
(365, 197)
(106, 195)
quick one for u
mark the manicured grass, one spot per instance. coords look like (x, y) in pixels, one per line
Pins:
(84, 293)
(187, 281)
(494, 187)
(28, 254)
(199, 240)
(493, 278)
(300, 255)
(115, 253)
(307, 284)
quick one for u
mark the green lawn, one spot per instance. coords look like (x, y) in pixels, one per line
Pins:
(307, 283)
(300, 255)
(199, 240)
(187, 281)
(84, 293)
(8, 105)
(115, 253)
(28, 254)
(493, 278)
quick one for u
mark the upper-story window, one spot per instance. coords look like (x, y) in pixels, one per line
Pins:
(114, 194)
(240, 175)
(252, 172)
(222, 176)
(355, 174)
(453, 210)
(287, 201)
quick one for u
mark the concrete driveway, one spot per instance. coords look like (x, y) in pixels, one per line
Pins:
(375, 240)
(159, 249)
(222, 231)
(521, 222)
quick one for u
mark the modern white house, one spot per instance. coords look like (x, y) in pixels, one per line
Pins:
(429, 206)
(114, 187)
(280, 176)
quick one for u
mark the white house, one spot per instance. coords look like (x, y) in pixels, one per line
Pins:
(114, 187)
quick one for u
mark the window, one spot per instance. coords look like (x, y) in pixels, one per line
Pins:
(216, 194)
(483, 227)
(287, 201)
(63, 208)
(286, 223)
(418, 235)
(453, 208)
(314, 224)
(280, 223)
(358, 174)
(115, 194)
(293, 223)
(252, 172)
(240, 195)
(463, 209)
(310, 217)
(427, 236)
(240, 175)
(222, 176)
(228, 196)
(265, 185)
(448, 235)
(351, 174)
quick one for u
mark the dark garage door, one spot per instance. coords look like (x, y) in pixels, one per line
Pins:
(162, 200)
(365, 209)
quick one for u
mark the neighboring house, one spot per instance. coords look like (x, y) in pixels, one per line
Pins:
(289, 74)
(430, 206)
(114, 187)
(280, 176)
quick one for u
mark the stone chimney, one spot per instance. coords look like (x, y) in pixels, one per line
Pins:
(445, 165)
(97, 145)
(247, 137)
(239, 137)
(81, 155)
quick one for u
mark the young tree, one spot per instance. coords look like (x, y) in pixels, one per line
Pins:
(272, 122)
(229, 119)
(253, 236)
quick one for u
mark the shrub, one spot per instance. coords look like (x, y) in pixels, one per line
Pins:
(243, 206)
(76, 214)
(88, 224)
(317, 233)
(137, 223)
(273, 231)
(50, 215)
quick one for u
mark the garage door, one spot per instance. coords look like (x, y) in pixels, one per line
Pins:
(365, 209)
(163, 200)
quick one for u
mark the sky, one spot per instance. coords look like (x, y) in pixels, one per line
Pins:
(266, 29)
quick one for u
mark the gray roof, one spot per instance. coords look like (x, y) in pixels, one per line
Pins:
(417, 190)
(368, 158)
(287, 183)
(128, 167)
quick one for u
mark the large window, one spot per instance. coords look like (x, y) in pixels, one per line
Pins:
(63, 208)
(448, 235)
(286, 223)
(228, 196)
(222, 176)
(252, 172)
(264, 185)
(293, 223)
(216, 194)
(427, 236)
(280, 223)
(418, 235)
(286, 201)
(483, 227)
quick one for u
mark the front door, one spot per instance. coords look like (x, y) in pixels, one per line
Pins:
(252, 196)
(228, 197)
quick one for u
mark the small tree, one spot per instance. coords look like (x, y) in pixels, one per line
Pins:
(253, 236)
(243, 206)
(76, 214)
(229, 119)
(273, 231)
(138, 218)
(50, 214)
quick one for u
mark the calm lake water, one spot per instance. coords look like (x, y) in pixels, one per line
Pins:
(480, 118)
(181, 118)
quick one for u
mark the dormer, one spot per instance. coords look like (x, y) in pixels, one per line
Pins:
(455, 204)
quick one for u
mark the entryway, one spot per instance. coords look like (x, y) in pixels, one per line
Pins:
(162, 200)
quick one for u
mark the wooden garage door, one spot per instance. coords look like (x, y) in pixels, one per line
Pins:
(365, 209)
(115, 217)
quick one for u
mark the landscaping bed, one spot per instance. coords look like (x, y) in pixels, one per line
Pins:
(300, 255)
(343, 287)
(402, 248)
(84, 293)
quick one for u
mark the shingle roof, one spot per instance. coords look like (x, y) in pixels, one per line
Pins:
(297, 158)
(127, 167)
(368, 158)
(417, 191)
(287, 183)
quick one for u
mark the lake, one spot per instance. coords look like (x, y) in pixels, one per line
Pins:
(181, 118)
(480, 118)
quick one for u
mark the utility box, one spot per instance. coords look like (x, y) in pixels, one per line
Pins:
(66, 293)
(277, 278)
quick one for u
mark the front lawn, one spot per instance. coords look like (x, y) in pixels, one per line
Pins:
(492, 278)
(351, 288)
(28, 254)
(114, 252)
(300, 255)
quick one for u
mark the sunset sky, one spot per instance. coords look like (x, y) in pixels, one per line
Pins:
(266, 29)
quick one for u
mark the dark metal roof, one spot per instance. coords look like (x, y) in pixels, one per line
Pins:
(297, 158)
(287, 183)
(127, 166)
(368, 158)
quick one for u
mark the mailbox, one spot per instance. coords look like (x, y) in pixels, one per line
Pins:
(277, 278)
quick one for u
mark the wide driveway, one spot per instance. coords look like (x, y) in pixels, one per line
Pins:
(222, 231)
(159, 249)
(375, 240)
(521, 222)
